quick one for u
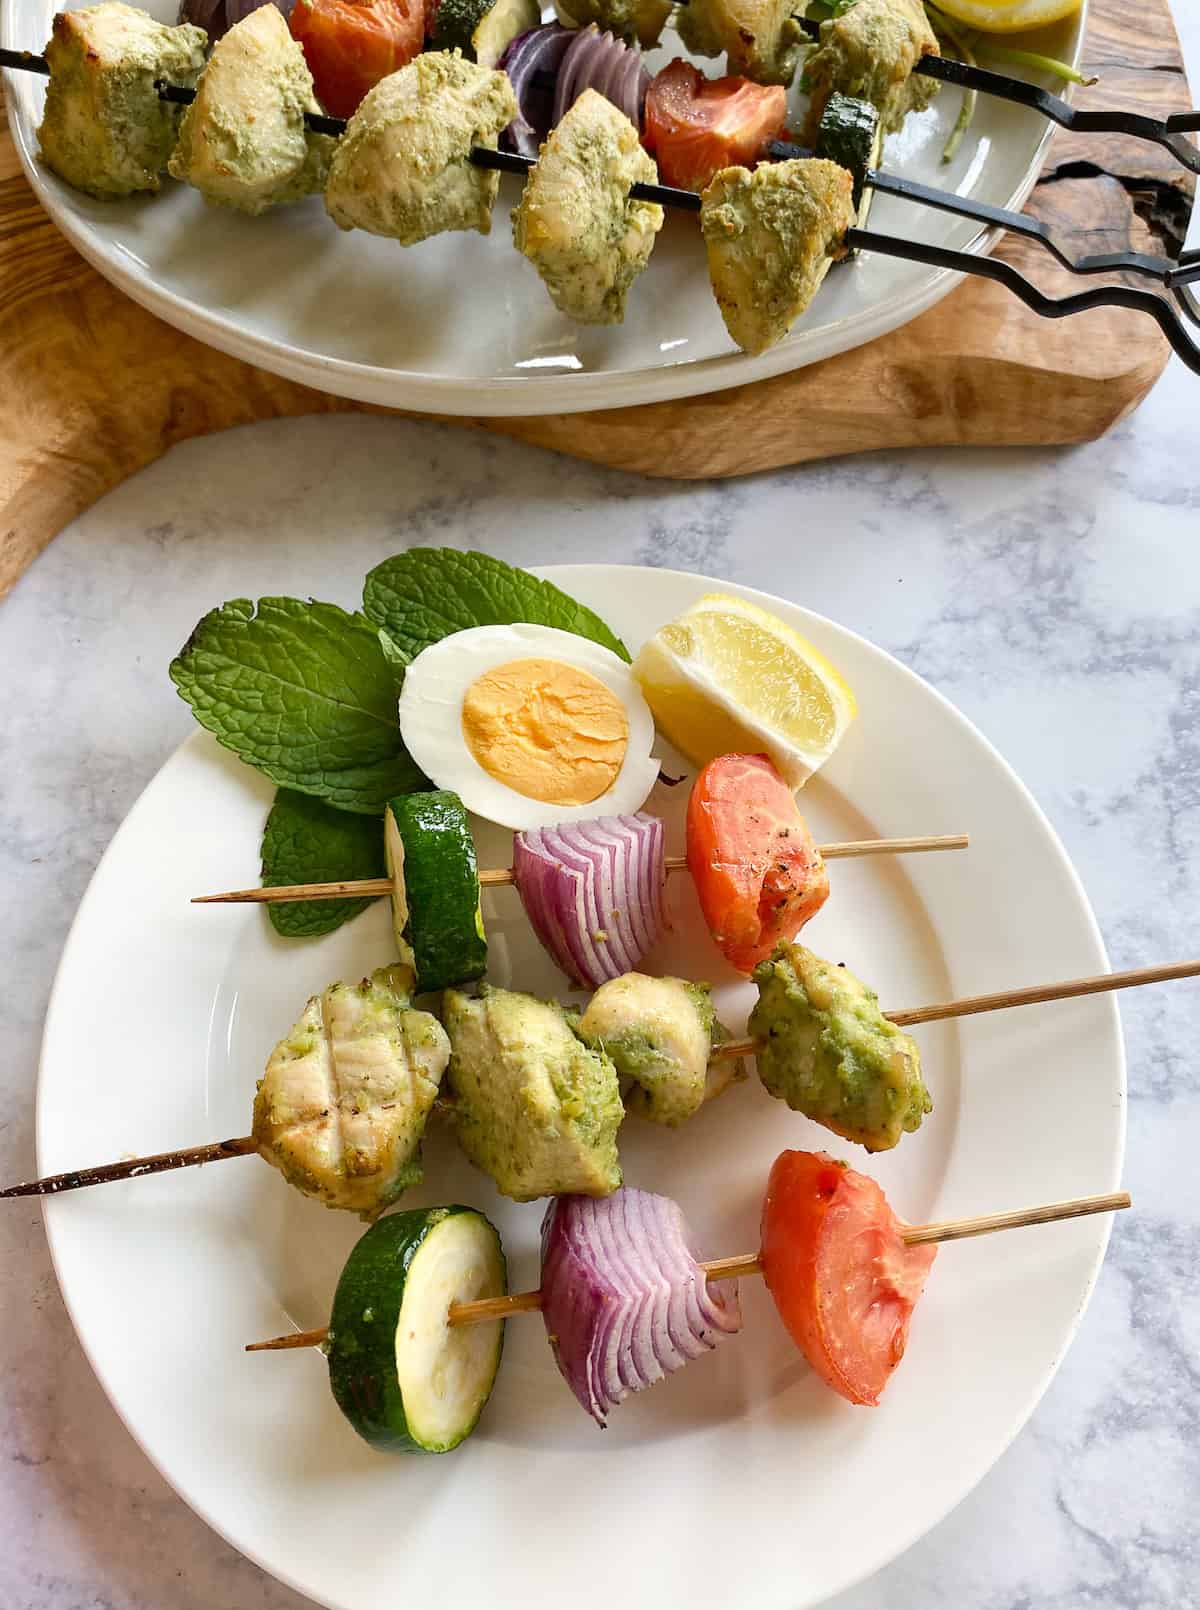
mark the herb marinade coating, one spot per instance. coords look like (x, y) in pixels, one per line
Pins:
(771, 236)
(104, 128)
(243, 141)
(403, 167)
(576, 221)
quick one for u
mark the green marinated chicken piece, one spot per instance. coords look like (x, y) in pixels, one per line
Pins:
(660, 1034)
(825, 1048)
(576, 222)
(643, 20)
(760, 39)
(243, 142)
(341, 1108)
(869, 52)
(104, 129)
(770, 236)
(403, 166)
(536, 1108)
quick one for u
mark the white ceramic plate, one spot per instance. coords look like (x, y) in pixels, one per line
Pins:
(743, 1477)
(462, 324)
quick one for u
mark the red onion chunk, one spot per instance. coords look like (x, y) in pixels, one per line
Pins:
(593, 892)
(216, 17)
(624, 1299)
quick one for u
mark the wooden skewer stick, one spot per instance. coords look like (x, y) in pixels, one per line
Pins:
(750, 1263)
(1033, 995)
(365, 887)
(1100, 984)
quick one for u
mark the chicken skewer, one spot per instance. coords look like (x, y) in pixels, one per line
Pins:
(296, 1122)
(1166, 271)
(498, 876)
(1168, 132)
(488, 1309)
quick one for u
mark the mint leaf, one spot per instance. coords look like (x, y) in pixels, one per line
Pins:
(307, 841)
(304, 692)
(423, 595)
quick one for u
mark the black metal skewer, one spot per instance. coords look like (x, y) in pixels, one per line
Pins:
(1169, 271)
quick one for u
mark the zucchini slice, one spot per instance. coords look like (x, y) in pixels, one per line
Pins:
(404, 1379)
(852, 136)
(482, 29)
(435, 889)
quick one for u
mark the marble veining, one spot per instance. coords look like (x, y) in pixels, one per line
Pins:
(1054, 596)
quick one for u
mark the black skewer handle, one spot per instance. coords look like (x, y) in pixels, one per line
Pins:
(483, 156)
(1046, 307)
(24, 61)
(1166, 270)
(1167, 132)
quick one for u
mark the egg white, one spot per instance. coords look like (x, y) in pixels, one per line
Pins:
(431, 701)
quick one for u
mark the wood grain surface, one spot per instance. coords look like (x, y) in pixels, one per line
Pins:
(95, 388)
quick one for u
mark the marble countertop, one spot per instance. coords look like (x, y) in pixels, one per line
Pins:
(1054, 596)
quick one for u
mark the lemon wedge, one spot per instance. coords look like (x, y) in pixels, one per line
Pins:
(728, 677)
(1008, 16)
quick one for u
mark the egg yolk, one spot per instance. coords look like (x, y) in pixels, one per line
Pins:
(547, 730)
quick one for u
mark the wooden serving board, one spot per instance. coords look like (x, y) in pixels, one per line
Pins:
(95, 388)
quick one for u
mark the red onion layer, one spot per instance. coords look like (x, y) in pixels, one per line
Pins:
(624, 1299)
(593, 892)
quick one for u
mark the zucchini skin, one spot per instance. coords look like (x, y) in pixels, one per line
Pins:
(441, 881)
(361, 1350)
(454, 24)
(847, 135)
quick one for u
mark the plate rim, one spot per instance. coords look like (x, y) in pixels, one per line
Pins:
(493, 396)
(1099, 1227)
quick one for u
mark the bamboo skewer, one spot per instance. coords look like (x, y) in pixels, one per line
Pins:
(494, 876)
(750, 1263)
(1038, 994)
(1033, 995)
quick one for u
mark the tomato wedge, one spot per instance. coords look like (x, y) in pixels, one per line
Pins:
(757, 871)
(350, 45)
(695, 126)
(844, 1282)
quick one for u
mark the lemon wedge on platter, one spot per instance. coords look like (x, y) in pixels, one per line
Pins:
(727, 676)
(1008, 16)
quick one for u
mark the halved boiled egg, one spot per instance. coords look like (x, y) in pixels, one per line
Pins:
(529, 725)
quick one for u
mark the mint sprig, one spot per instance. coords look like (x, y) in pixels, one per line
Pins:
(423, 595)
(307, 841)
(304, 692)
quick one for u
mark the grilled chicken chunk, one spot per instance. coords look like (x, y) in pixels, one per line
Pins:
(660, 1033)
(869, 52)
(576, 222)
(760, 39)
(536, 1108)
(341, 1108)
(243, 142)
(403, 167)
(770, 236)
(826, 1049)
(104, 129)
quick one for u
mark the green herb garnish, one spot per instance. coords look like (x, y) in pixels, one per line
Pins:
(304, 692)
(307, 841)
(423, 595)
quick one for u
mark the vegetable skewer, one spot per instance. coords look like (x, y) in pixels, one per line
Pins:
(77, 1179)
(750, 1263)
(496, 876)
